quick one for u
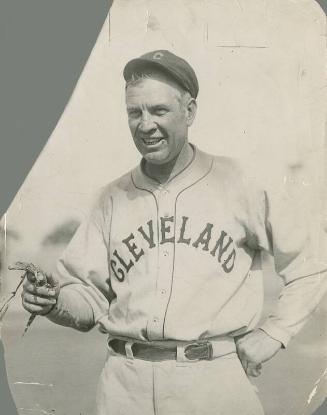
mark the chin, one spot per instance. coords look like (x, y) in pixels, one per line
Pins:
(158, 158)
(155, 156)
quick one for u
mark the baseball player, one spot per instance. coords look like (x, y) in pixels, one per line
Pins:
(168, 265)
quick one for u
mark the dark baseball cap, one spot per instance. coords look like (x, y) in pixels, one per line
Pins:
(180, 70)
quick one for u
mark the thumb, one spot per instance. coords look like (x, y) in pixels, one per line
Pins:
(244, 362)
(31, 277)
(254, 369)
(52, 281)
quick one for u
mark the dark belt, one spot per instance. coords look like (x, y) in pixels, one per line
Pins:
(201, 350)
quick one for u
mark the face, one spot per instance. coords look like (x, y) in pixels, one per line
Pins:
(157, 119)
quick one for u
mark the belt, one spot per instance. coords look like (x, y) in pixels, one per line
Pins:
(173, 350)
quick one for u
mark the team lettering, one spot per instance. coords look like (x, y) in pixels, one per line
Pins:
(221, 248)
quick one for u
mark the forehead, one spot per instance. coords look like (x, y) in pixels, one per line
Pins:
(152, 90)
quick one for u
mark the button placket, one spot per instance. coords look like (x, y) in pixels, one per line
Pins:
(166, 206)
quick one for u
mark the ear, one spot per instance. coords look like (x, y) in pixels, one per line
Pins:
(191, 108)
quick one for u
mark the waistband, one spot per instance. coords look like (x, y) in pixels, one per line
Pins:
(182, 351)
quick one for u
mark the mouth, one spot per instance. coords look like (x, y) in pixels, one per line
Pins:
(151, 141)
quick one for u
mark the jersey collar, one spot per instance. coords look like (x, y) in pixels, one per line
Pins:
(197, 169)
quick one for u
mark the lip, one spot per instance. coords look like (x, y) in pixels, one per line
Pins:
(152, 141)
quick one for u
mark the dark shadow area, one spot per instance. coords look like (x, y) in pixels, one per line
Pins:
(323, 5)
(7, 403)
(61, 234)
(44, 46)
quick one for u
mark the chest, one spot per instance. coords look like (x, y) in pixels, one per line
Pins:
(200, 229)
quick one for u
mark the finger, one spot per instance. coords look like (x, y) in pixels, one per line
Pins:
(34, 308)
(41, 278)
(253, 373)
(52, 281)
(41, 291)
(244, 364)
(29, 287)
(254, 370)
(30, 276)
(243, 358)
(34, 299)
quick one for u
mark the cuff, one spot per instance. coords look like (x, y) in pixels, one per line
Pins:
(56, 308)
(72, 310)
(276, 332)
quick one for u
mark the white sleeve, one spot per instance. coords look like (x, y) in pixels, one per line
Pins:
(83, 272)
(300, 256)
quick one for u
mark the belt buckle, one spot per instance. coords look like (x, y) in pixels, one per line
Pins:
(200, 350)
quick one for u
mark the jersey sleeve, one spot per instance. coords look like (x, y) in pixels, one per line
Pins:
(299, 248)
(83, 272)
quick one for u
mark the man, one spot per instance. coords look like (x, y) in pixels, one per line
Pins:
(168, 264)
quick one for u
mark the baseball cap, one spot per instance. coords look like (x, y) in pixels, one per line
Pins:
(173, 65)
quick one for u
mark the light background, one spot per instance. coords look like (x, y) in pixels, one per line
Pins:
(261, 68)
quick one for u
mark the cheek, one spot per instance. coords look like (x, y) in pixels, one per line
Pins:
(180, 129)
(132, 126)
(176, 126)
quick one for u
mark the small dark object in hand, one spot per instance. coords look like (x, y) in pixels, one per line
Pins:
(41, 279)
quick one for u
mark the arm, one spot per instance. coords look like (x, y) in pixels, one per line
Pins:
(300, 261)
(299, 247)
(72, 311)
(82, 275)
(62, 306)
(296, 303)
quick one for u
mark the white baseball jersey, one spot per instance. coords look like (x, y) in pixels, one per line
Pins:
(182, 260)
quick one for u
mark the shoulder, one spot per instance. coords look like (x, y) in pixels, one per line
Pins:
(236, 180)
(122, 183)
(102, 197)
(227, 166)
(223, 166)
(236, 173)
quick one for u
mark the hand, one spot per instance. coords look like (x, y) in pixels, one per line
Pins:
(40, 293)
(255, 348)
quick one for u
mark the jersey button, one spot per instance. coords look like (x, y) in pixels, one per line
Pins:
(163, 292)
(165, 253)
(155, 319)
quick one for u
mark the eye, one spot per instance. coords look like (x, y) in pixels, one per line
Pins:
(134, 113)
(160, 111)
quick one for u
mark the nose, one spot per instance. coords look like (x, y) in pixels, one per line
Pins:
(147, 125)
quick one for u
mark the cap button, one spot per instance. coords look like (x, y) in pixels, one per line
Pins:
(157, 55)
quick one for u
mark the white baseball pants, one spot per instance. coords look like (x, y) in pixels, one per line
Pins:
(130, 386)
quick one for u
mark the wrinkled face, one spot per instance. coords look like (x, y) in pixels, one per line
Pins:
(157, 118)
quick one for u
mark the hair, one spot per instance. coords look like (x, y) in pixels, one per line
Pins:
(137, 77)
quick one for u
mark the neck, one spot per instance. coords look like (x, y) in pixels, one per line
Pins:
(164, 172)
